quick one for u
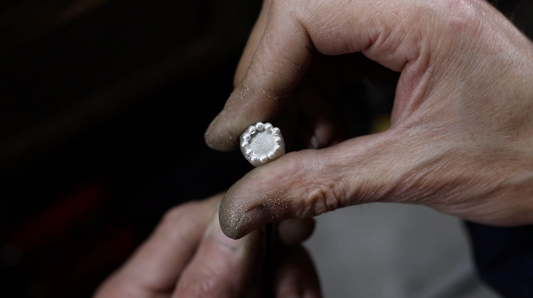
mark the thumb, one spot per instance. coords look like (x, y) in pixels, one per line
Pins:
(417, 163)
(405, 164)
(310, 182)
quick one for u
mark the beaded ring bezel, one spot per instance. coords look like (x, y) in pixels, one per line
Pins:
(278, 148)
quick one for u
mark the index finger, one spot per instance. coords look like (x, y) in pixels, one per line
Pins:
(385, 31)
(270, 77)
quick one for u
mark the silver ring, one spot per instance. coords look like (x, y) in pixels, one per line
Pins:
(262, 143)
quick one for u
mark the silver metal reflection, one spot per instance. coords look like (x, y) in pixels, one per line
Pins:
(262, 143)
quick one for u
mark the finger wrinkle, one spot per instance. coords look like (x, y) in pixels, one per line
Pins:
(326, 189)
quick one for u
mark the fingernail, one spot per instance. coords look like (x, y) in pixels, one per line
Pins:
(251, 220)
(215, 232)
(242, 248)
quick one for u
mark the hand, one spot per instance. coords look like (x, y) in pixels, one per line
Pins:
(189, 256)
(461, 139)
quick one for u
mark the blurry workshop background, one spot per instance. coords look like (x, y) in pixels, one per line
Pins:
(103, 105)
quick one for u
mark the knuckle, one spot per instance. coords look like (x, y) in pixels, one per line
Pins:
(322, 190)
(322, 197)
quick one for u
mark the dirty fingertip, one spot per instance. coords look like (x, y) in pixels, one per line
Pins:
(237, 219)
(218, 136)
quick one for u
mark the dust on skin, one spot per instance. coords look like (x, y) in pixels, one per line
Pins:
(237, 214)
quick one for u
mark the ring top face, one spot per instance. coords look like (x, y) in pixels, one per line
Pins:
(262, 143)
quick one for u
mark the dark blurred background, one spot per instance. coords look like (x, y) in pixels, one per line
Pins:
(103, 106)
